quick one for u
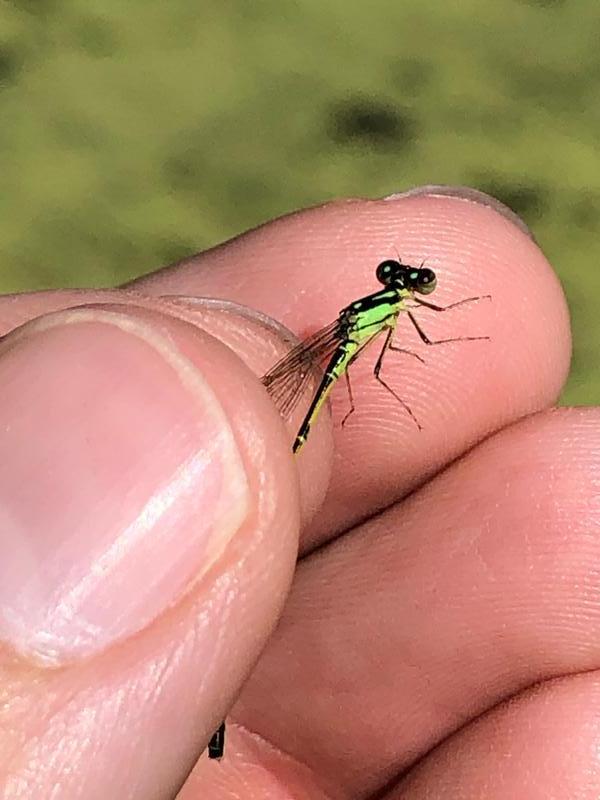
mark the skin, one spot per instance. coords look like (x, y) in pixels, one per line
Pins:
(442, 639)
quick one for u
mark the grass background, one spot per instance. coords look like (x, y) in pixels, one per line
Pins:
(133, 134)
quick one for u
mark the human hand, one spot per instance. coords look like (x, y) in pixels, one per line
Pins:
(409, 623)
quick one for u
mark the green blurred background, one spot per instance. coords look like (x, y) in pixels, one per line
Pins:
(135, 133)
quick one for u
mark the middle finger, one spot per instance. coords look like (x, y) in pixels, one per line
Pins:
(480, 584)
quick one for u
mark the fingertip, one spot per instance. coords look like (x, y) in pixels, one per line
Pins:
(305, 267)
(468, 194)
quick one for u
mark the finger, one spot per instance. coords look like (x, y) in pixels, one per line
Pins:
(482, 583)
(253, 336)
(548, 736)
(303, 268)
(149, 528)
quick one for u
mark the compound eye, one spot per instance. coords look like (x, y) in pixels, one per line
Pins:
(426, 281)
(387, 271)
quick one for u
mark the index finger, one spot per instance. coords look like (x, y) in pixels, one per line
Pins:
(303, 268)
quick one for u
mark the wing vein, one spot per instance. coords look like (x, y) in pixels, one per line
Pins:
(287, 380)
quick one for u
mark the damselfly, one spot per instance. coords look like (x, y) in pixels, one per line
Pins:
(357, 326)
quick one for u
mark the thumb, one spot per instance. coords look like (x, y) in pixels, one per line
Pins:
(148, 532)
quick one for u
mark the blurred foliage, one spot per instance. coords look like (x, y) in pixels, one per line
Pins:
(136, 133)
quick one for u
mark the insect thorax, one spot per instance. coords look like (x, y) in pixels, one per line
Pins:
(365, 317)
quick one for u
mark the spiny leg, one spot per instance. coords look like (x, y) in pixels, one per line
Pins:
(433, 307)
(427, 340)
(347, 375)
(350, 396)
(353, 359)
(393, 347)
(377, 370)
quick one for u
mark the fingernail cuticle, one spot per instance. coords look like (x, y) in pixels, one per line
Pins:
(467, 194)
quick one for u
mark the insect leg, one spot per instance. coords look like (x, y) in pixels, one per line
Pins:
(377, 370)
(350, 396)
(393, 347)
(427, 340)
(347, 374)
(433, 307)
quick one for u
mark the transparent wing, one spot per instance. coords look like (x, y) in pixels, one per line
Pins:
(287, 380)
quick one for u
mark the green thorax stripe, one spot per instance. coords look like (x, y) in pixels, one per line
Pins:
(370, 314)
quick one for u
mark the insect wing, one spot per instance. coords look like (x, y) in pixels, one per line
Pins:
(288, 379)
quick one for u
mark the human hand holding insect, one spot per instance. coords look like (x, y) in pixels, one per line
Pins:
(434, 594)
